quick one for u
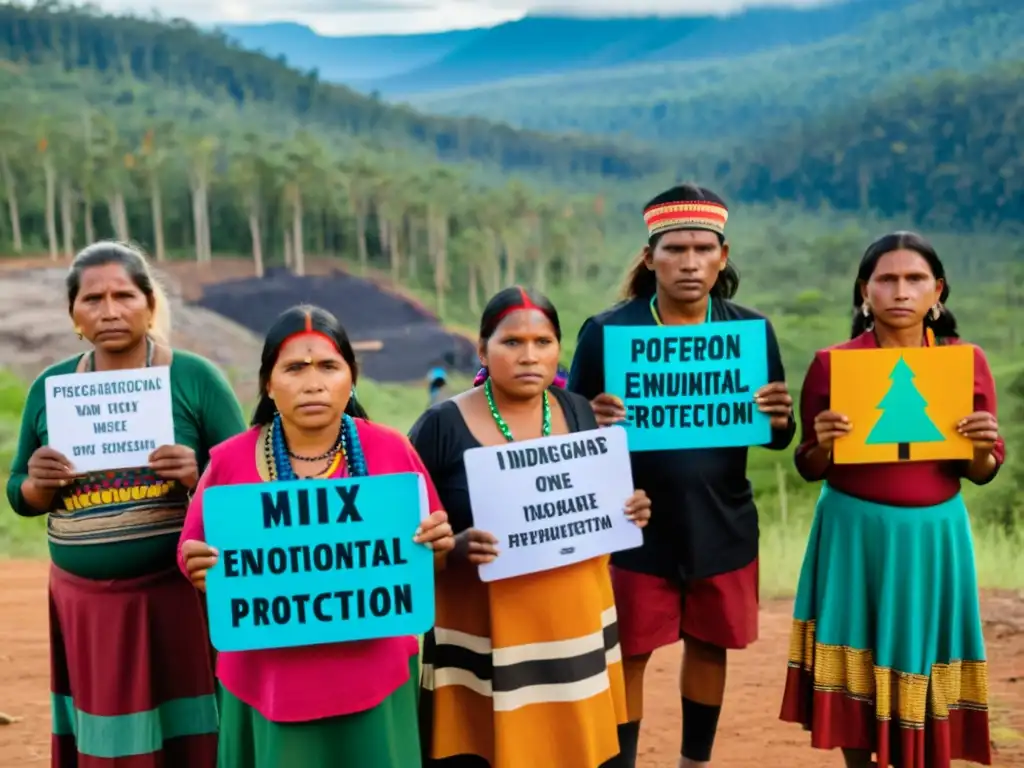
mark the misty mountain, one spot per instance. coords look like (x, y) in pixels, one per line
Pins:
(399, 65)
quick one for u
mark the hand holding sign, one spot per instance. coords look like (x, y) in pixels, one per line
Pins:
(775, 400)
(199, 558)
(49, 469)
(175, 462)
(982, 429)
(608, 409)
(476, 546)
(436, 533)
(638, 508)
(829, 426)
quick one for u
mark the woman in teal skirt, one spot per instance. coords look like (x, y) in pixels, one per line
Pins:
(348, 704)
(887, 658)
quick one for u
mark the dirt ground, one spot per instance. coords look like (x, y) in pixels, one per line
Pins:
(750, 734)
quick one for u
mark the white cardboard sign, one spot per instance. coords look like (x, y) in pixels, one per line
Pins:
(110, 419)
(553, 501)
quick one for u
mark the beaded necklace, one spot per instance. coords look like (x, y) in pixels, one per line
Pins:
(657, 315)
(348, 450)
(503, 427)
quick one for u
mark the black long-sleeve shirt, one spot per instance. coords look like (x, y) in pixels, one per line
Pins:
(703, 518)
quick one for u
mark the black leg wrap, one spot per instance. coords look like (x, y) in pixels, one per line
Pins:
(700, 724)
(629, 738)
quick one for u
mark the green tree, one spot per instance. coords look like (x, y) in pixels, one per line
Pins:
(904, 417)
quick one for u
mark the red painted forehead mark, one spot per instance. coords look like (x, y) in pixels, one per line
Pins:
(524, 303)
(312, 335)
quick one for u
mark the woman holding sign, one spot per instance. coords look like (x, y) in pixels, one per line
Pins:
(887, 654)
(696, 576)
(328, 705)
(525, 670)
(130, 660)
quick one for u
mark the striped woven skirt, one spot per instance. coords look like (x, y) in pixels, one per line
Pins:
(887, 652)
(131, 675)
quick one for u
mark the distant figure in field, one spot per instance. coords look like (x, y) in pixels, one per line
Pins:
(338, 705)
(131, 675)
(887, 654)
(437, 382)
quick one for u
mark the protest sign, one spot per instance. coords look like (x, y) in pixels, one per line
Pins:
(903, 404)
(317, 561)
(553, 501)
(689, 386)
(109, 419)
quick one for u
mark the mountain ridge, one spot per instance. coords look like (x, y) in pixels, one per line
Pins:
(550, 43)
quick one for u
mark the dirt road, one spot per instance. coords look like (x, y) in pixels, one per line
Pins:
(751, 734)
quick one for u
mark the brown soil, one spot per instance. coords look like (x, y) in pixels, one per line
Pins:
(750, 734)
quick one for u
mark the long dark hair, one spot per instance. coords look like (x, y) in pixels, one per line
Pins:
(945, 326)
(507, 301)
(641, 282)
(301, 319)
(133, 260)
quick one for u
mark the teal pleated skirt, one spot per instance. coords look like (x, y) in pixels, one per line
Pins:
(386, 736)
(886, 651)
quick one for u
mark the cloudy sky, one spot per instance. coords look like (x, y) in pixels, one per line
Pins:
(357, 17)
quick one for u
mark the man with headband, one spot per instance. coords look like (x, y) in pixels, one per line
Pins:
(696, 575)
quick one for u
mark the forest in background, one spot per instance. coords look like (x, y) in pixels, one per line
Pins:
(90, 148)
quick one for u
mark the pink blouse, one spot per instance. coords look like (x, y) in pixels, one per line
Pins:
(291, 685)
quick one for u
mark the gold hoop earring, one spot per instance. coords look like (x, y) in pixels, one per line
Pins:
(78, 333)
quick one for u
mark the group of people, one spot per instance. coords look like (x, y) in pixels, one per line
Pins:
(886, 661)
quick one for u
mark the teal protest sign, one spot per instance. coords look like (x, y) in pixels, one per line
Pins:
(317, 561)
(689, 386)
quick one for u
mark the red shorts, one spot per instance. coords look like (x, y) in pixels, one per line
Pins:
(653, 612)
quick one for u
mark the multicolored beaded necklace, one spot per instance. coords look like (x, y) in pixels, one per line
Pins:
(503, 427)
(347, 449)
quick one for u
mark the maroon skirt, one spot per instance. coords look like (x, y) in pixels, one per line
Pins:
(132, 681)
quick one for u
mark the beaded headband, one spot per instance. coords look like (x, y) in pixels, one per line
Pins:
(702, 214)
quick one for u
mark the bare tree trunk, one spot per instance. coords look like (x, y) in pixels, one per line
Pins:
(439, 256)
(51, 204)
(474, 298)
(412, 261)
(157, 208)
(122, 217)
(511, 261)
(395, 229)
(540, 277)
(257, 241)
(12, 203)
(364, 254)
(207, 247)
(197, 219)
(383, 234)
(297, 236)
(90, 228)
(67, 221)
(495, 265)
(289, 255)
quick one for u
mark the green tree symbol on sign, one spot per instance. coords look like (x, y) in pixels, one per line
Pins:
(904, 419)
